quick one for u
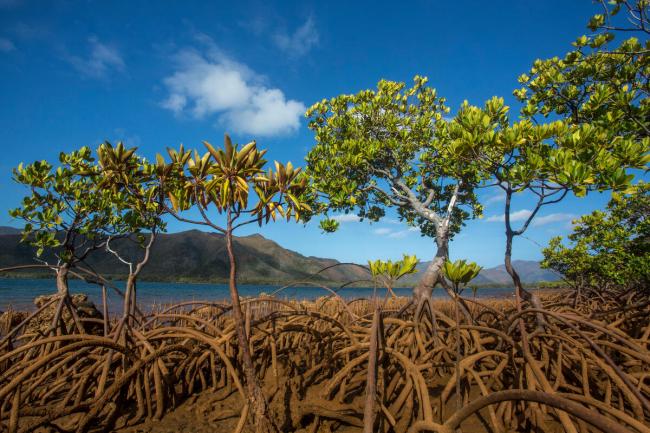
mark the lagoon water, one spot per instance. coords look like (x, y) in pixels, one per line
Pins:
(20, 293)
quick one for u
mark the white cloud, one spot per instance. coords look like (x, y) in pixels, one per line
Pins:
(395, 234)
(403, 233)
(269, 113)
(495, 198)
(212, 83)
(175, 102)
(346, 218)
(553, 218)
(6, 45)
(300, 42)
(519, 215)
(523, 214)
(379, 231)
(101, 60)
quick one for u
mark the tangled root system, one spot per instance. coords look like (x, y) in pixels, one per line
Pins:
(333, 365)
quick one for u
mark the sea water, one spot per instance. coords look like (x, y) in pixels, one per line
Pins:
(19, 294)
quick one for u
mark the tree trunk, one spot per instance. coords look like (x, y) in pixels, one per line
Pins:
(128, 298)
(520, 292)
(62, 280)
(432, 274)
(65, 300)
(261, 420)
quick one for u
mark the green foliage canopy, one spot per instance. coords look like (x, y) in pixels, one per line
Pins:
(607, 249)
(599, 89)
(378, 149)
(599, 82)
(123, 171)
(546, 157)
(81, 204)
(223, 179)
(67, 211)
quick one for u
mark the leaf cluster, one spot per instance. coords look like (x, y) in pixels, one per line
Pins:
(388, 272)
(608, 248)
(460, 272)
(547, 159)
(378, 149)
(225, 179)
(598, 82)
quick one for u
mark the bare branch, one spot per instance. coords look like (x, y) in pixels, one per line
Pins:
(116, 254)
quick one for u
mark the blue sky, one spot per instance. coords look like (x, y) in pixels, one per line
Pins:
(157, 74)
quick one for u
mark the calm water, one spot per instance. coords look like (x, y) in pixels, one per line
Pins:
(20, 293)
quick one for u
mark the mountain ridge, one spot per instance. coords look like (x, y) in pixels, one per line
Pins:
(194, 255)
(529, 271)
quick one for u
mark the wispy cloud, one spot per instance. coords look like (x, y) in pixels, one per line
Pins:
(101, 60)
(495, 198)
(6, 45)
(299, 42)
(211, 83)
(519, 215)
(346, 218)
(523, 214)
(395, 234)
(553, 218)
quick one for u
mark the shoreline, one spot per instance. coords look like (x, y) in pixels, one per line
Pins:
(541, 285)
(20, 294)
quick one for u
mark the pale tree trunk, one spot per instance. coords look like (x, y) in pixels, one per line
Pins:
(431, 276)
(402, 195)
(434, 274)
(261, 419)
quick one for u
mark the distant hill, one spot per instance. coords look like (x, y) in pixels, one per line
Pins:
(529, 271)
(4, 230)
(199, 256)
